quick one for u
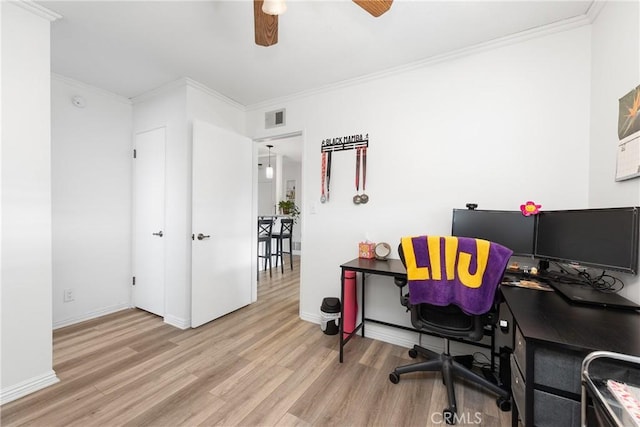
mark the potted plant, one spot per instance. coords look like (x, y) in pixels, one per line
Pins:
(288, 207)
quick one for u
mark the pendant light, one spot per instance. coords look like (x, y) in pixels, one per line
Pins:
(269, 170)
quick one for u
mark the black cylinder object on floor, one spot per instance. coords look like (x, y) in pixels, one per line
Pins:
(330, 315)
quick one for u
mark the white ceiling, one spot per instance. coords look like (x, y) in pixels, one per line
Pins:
(131, 47)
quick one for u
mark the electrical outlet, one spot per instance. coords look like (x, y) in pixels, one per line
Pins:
(69, 295)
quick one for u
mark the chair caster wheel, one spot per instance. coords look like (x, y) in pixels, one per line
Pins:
(394, 377)
(449, 416)
(413, 353)
(504, 404)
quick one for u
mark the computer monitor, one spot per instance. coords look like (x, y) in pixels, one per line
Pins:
(508, 228)
(602, 238)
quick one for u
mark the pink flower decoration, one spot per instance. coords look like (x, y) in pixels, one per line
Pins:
(530, 208)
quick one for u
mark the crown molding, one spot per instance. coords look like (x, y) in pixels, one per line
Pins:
(595, 9)
(556, 27)
(199, 86)
(187, 82)
(167, 87)
(36, 9)
(84, 86)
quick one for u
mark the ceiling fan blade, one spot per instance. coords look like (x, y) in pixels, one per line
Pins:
(265, 26)
(374, 7)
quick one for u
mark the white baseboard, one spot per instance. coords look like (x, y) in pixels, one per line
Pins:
(376, 332)
(29, 386)
(389, 335)
(90, 315)
(406, 339)
(310, 317)
(177, 322)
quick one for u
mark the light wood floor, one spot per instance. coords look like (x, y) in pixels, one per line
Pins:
(258, 366)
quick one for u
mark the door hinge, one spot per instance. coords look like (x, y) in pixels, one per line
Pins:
(134, 280)
(134, 153)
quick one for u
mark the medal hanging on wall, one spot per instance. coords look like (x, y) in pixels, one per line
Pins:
(356, 198)
(363, 197)
(357, 142)
(361, 158)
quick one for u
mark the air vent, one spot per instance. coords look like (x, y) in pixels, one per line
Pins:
(274, 119)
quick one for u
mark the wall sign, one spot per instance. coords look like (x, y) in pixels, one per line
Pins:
(342, 143)
(358, 142)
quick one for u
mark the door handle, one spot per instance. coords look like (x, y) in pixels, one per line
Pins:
(159, 234)
(201, 236)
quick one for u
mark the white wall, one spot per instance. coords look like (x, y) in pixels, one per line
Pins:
(91, 190)
(498, 127)
(207, 105)
(615, 66)
(26, 346)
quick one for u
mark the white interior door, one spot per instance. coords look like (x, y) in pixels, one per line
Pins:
(223, 223)
(149, 211)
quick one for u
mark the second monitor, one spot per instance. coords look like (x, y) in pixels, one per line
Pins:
(508, 228)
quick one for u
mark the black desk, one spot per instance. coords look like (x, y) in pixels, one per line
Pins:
(551, 338)
(390, 268)
(546, 316)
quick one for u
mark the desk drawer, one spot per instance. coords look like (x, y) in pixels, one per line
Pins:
(558, 368)
(550, 410)
(517, 388)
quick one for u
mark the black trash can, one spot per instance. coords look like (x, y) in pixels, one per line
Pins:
(330, 315)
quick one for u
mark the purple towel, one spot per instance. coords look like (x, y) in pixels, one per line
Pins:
(454, 270)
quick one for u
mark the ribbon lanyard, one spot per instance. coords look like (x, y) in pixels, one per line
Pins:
(323, 198)
(328, 174)
(358, 170)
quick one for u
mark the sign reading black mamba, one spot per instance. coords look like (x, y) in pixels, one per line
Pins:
(342, 143)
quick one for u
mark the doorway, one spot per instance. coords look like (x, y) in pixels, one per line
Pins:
(221, 217)
(149, 221)
(285, 157)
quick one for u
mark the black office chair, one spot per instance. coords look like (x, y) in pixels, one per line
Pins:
(448, 322)
(265, 234)
(285, 233)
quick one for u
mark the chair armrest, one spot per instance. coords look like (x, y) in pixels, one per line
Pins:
(404, 301)
(401, 282)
